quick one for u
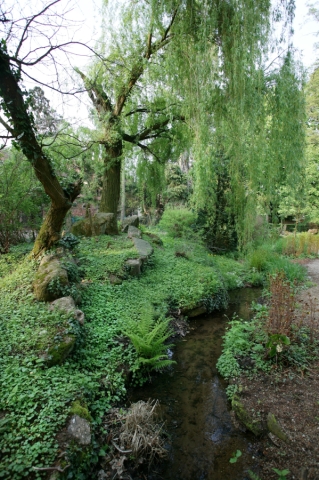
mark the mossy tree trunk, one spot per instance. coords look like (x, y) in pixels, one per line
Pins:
(23, 131)
(112, 181)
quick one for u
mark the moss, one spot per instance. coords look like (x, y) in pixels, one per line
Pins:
(275, 428)
(255, 426)
(58, 353)
(80, 410)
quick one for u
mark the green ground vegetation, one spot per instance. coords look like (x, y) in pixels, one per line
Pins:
(36, 399)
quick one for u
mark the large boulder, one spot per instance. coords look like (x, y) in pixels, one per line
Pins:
(67, 305)
(50, 279)
(82, 228)
(133, 220)
(102, 223)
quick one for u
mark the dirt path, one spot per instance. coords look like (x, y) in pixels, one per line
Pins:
(292, 395)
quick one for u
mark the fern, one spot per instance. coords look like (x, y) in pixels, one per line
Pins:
(148, 337)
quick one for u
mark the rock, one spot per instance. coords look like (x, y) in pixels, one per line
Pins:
(134, 232)
(60, 350)
(82, 228)
(50, 279)
(133, 220)
(274, 427)
(314, 231)
(114, 280)
(67, 305)
(143, 248)
(155, 238)
(255, 426)
(79, 429)
(102, 223)
(134, 266)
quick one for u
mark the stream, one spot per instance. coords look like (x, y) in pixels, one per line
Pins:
(194, 404)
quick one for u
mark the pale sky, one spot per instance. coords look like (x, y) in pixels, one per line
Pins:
(87, 14)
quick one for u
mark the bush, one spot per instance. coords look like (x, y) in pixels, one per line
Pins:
(177, 222)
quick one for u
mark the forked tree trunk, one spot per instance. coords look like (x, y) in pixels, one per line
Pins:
(111, 189)
(50, 230)
(23, 131)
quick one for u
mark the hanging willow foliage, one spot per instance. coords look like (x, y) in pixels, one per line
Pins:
(246, 112)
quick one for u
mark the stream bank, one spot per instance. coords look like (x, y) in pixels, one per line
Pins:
(194, 405)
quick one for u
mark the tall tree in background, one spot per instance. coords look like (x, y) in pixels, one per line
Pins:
(132, 102)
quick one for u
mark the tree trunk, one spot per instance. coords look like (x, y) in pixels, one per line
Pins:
(112, 181)
(50, 230)
(24, 133)
(123, 196)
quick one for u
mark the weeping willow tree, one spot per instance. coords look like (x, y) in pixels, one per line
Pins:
(134, 109)
(244, 105)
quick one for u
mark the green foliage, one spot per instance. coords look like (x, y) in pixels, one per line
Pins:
(148, 336)
(177, 222)
(282, 474)
(235, 456)
(21, 199)
(276, 343)
(37, 399)
(265, 260)
(69, 241)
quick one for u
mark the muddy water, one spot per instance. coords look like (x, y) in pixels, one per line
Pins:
(194, 404)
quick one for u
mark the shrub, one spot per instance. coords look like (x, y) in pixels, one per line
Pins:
(177, 222)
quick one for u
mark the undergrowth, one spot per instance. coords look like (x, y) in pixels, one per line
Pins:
(276, 338)
(36, 400)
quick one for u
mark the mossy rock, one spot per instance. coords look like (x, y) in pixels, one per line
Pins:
(255, 426)
(102, 223)
(154, 238)
(50, 271)
(81, 410)
(58, 352)
(82, 228)
(275, 428)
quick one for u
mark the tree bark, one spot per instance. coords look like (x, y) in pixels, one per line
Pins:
(50, 230)
(112, 181)
(24, 133)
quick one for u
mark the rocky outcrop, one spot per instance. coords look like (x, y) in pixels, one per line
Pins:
(67, 305)
(101, 224)
(133, 221)
(50, 279)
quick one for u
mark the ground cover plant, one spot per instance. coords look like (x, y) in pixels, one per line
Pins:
(36, 400)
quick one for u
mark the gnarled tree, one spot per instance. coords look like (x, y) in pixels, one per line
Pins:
(19, 122)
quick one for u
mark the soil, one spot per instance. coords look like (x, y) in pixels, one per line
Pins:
(292, 396)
